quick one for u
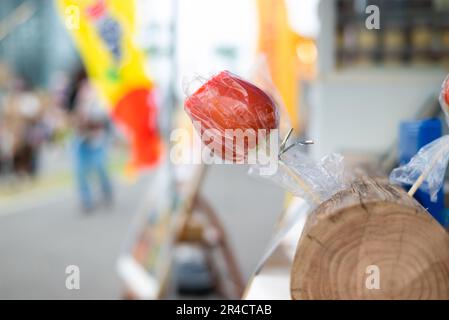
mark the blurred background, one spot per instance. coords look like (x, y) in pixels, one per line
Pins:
(90, 91)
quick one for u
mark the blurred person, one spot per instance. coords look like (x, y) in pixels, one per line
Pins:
(93, 129)
(6, 149)
(35, 136)
(32, 135)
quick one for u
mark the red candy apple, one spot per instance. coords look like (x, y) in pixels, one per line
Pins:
(227, 103)
(445, 91)
(444, 97)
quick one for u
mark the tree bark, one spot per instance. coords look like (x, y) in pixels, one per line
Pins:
(371, 241)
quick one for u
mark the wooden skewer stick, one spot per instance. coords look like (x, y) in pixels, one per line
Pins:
(315, 198)
(425, 173)
(301, 183)
(284, 142)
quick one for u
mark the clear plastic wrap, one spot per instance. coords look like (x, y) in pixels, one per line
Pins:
(314, 181)
(428, 165)
(225, 104)
(426, 170)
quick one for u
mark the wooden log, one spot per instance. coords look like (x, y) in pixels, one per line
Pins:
(371, 230)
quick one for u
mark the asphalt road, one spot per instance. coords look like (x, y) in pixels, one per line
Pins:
(40, 237)
(43, 233)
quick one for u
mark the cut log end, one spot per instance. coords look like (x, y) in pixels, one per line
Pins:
(372, 241)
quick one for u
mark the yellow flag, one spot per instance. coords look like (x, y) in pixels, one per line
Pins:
(278, 42)
(103, 31)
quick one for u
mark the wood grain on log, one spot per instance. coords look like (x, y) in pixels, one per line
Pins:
(371, 224)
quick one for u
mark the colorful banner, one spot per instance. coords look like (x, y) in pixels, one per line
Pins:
(103, 32)
(278, 42)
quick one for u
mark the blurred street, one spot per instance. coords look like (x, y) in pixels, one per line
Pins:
(38, 242)
(43, 230)
(41, 236)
